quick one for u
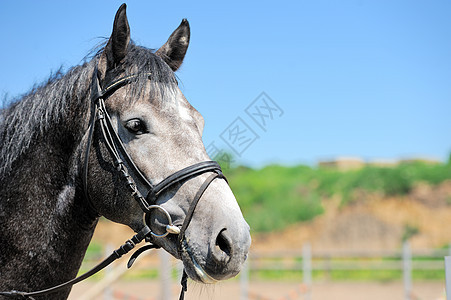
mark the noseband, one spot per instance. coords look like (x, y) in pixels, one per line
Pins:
(145, 193)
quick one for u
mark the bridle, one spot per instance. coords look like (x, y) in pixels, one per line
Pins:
(146, 194)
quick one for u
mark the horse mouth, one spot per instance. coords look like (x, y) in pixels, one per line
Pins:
(193, 268)
(204, 277)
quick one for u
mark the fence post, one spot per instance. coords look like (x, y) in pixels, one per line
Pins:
(165, 275)
(244, 281)
(307, 269)
(448, 276)
(407, 269)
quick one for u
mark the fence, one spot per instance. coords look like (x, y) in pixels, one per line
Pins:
(306, 264)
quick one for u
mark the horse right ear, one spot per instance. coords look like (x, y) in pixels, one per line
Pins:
(116, 48)
(174, 50)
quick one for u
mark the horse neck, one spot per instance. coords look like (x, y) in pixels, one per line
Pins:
(46, 226)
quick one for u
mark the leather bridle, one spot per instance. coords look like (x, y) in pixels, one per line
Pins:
(149, 193)
(146, 194)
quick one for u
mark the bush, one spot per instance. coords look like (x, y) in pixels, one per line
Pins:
(276, 196)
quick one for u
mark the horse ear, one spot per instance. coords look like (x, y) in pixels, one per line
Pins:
(117, 45)
(174, 50)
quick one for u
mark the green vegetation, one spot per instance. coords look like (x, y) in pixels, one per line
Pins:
(382, 269)
(94, 250)
(276, 196)
(348, 275)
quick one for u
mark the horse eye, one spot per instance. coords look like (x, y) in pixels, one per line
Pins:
(135, 126)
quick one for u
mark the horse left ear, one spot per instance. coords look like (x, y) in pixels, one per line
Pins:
(117, 45)
(174, 50)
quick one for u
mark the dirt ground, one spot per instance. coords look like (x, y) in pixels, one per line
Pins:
(149, 290)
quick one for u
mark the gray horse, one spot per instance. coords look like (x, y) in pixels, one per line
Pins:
(48, 210)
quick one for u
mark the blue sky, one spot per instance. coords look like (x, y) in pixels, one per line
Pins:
(351, 78)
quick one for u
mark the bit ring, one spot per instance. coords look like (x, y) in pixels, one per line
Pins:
(170, 227)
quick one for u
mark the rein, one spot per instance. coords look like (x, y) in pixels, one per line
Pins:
(123, 163)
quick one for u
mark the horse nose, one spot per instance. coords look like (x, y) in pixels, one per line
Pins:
(222, 251)
(224, 259)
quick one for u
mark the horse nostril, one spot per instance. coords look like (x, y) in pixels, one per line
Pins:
(223, 249)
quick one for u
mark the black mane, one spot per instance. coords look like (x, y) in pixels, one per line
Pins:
(32, 115)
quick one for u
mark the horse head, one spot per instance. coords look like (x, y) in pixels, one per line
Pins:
(161, 133)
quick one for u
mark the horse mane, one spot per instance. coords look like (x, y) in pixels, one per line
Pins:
(32, 115)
